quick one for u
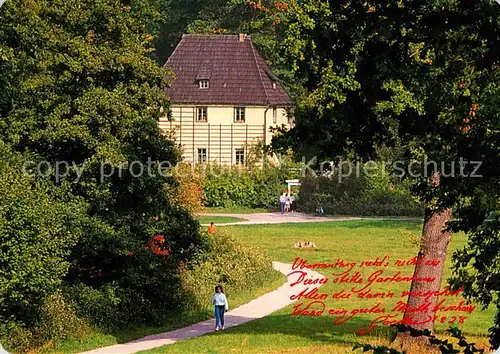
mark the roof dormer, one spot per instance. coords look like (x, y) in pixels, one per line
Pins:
(203, 79)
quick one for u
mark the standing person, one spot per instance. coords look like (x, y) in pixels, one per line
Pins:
(211, 228)
(287, 203)
(319, 209)
(221, 306)
(292, 202)
(282, 202)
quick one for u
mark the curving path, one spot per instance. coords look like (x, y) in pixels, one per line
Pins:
(278, 218)
(257, 308)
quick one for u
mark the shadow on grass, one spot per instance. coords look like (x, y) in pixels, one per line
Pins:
(348, 224)
(383, 223)
(317, 330)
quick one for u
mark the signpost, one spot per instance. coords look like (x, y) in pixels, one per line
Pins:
(2, 351)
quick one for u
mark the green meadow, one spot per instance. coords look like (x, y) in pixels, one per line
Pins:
(353, 241)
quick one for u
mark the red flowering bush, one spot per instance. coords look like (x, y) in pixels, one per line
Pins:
(158, 246)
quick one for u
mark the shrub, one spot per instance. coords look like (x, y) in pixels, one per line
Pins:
(56, 320)
(188, 192)
(227, 263)
(103, 129)
(19, 339)
(99, 306)
(37, 232)
(375, 195)
(255, 186)
(59, 319)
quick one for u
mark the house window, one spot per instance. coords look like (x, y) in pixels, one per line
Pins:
(240, 156)
(275, 116)
(202, 114)
(203, 84)
(202, 155)
(239, 114)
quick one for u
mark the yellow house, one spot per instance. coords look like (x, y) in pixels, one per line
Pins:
(224, 99)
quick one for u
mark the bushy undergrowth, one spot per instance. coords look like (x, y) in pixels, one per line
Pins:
(254, 186)
(374, 195)
(56, 319)
(227, 263)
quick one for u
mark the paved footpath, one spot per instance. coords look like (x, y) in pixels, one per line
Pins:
(278, 218)
(258, 308)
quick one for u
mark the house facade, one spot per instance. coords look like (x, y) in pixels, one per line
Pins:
(224, 99)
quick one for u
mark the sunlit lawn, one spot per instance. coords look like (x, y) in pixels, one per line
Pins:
(352, 241)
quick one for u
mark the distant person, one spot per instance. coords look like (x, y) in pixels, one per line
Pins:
(282, 202)
(292, 202)
(287, 203)
(211, 228)
(319, 210)
(221, 306)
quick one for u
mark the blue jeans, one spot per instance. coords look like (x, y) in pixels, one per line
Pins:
(282, 207)
(219, 315)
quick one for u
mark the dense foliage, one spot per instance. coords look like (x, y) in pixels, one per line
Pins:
(228, 263)
(81, 98)
(477, 269)
(421, 76)
(37, 233)
(374, 195)
(254, 187)
(188, 191)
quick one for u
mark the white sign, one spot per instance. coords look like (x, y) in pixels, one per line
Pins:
(2, 351)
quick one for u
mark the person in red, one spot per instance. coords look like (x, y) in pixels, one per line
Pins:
(211, 228)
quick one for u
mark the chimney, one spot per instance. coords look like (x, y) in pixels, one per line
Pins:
(242, 37)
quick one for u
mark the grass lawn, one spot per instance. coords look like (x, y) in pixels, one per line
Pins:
(353, 241)
(99, 339)
(218, 219)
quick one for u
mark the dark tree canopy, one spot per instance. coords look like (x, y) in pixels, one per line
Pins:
(423, 77)
(80, 86)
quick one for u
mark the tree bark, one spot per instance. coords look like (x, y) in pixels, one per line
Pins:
(434, 247)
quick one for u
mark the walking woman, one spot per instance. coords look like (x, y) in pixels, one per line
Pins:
(221, 306)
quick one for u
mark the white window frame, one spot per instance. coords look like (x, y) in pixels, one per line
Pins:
(275, 115)
(240, 151)
(202, 154)
(203, 84)
(199, 114)
(239, 115)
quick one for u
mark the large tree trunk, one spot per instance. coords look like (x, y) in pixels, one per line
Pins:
(434, 246)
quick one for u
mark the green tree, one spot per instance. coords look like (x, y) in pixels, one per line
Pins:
(80, 86)
(178, 15)
(37, 233)
(422, 76)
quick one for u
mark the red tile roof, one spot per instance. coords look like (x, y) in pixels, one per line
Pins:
(236, 72)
